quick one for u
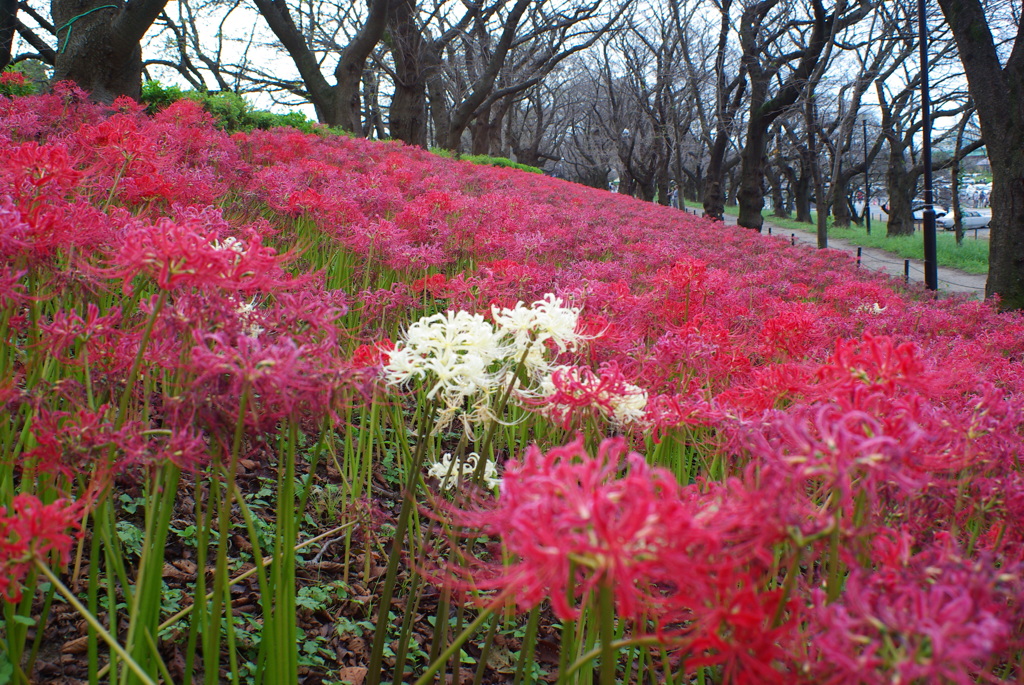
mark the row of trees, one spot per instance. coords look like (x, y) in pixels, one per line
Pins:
(727, 100)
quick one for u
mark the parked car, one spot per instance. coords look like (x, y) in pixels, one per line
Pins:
(919, 211)
(969, 218)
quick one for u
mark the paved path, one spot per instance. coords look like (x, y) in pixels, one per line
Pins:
(950, 280)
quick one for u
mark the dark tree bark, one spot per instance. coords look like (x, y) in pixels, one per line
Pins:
(998, 93)
(764, 71)
(408, 112)
(8, 23)
(100, 44)
(340, 104)
(775, 181)
(728, 98)
(902, 186)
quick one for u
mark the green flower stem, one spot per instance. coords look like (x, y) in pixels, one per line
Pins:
(145, 614)
(454, 647)
(485, 653)
(408, 501)
(787, 587)
(222, 589)
(133, 374)
(485, 446)
(529, 645)
(615, 646)
(606, 629)
(93, 623)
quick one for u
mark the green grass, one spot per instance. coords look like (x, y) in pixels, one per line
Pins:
(487, 160)
(971, 256)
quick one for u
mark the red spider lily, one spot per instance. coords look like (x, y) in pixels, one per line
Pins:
(935, 618)
(571, 521)
(74, 443)
(186, 253)
(67, 328)
(579, 389)
(34, 166)
(282, 378)
(12, 78)
(31, 530)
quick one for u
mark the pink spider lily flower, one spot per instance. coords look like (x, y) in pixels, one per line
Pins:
(571, 521)
(572, 389)
(30, 530)
(935, 617)
(185, 253)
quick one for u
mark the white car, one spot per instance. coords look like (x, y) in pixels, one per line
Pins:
(919, 212)
(969, 219)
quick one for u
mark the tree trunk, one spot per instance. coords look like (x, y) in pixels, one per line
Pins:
(751, 187)
(821, 202)
(954, 187)
(8, 22)
(100, 49)
(714, 181)
(774, 178)
(901, 194)
(407, 116)
(1005, 253)
(346, 107)
(841, 215)
(627, 184)
(663, 191)
(440, 113)
(800, 189)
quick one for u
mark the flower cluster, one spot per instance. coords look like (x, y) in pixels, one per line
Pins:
(464, 359)
(572, 521)
(451, 471)
(30, 530)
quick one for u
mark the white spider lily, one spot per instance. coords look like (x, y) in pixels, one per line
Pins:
(530, 327)
(456, 352)
(450, 474)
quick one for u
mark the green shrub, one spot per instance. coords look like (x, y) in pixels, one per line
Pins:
(13, 83)
(230, 110)
(156, 96)
(487, 160)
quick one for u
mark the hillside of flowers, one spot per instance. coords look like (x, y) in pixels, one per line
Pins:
(280, 407)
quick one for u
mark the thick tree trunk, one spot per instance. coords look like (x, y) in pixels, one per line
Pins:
(901, 187)
(627, 184)
(437, 101)
(595, 177)
(8, 22)
(664, 195)
(100, 49)
(407, 116)
(1006, 247)
(778, 197)
(800, 191)
(998, 92)
(841, 217)
(714, 181)
(751, 187)
(346, 107)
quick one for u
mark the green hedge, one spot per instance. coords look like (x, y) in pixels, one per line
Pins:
(230, 110)
(487, 160)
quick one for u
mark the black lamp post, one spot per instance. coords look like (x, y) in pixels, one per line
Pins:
(931, 269)
(867, 179)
